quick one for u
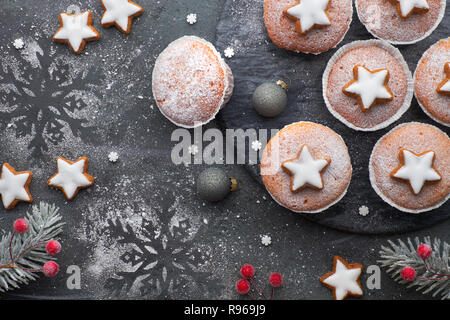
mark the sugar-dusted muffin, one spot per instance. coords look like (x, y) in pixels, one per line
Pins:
(410, 167)
(432, 82)
(306, 167)
(309, 26)
(191, 82)
(401, 21)
(367, 85)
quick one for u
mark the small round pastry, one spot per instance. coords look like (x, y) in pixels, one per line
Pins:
(191, 82)
(367, 85)
(308, 26)
(306, 167)
(432, 82)
(409, 167)
(401, 21)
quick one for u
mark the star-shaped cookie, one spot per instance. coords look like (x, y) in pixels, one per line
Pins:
(305, 170)
(369, 87)
(444, 86)
(416, 168)
(344, 279)
(406, 8)
(309, 14)
(75, 30)
(71, 176)
(14, 186)
(119, 13)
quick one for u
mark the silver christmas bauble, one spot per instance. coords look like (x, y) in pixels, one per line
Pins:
(269, 99)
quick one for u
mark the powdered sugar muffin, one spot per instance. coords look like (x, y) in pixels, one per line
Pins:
(309, 26)
(432, 82)
(367, 85)
(401, 21)
(306, 167)
(191, 82)
(410, 167)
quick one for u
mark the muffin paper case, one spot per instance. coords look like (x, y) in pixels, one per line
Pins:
(386, 24)
(404, 67)
(339, 160)
(437, 64)
(185, 90)
(381, 194)
(312, 42)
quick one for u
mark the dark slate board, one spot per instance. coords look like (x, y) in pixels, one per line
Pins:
(258, 60)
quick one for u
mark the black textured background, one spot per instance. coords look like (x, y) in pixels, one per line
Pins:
(141, 232)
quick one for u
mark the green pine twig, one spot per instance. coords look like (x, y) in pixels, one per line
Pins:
(45, 225)
(397, 256)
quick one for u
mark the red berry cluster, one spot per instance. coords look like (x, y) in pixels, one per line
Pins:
(247, 272)
(53, 247)
(409, 274)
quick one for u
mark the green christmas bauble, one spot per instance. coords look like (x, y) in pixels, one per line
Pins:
(270, 99)
(214, 185)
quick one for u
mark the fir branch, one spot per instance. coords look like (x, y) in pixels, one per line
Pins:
(45, 224)
(400, 255)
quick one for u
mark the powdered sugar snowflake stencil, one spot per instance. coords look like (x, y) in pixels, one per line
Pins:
(164, 257)
(43, 95)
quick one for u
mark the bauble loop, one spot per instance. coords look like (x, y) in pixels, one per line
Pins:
(213, 184)
(269, 99)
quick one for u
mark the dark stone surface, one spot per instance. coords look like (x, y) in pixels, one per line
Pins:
(141, 232)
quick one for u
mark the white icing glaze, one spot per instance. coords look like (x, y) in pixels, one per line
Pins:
(417, 169)
(445, 84)
(344, 280)
(305, 170)
(310, 13)
(75, 29)
(70, 177)
(119, 12)
(370, 86)
(406, 6)
(12, 186)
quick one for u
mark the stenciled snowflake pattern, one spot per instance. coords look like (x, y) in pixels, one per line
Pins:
(42, 95)
(164, 257)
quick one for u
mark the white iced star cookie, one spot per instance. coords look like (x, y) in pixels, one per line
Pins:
(14, 186)
(416, 168)
(119, 13)
(406, 8)
(444, 86)
(344, 279)
(75, 30)
(305, 170)
(71, 176)
(309, 14)
(369, 87)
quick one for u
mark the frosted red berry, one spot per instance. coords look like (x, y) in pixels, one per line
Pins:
(21, 225)
(53, 247)
(408, 274)
(242, 286)
(275, 279)
(50, 269)
(247, 271)
(424, 251)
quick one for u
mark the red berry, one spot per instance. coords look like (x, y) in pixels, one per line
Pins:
(247, 271)
(53, 247)
(408, 274)
(50, 269)
(424, 251)
(242, 286)
(21, 225)
(275, 279)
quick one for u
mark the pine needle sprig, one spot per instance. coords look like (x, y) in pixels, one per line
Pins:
(397, 256)
(44, 225)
